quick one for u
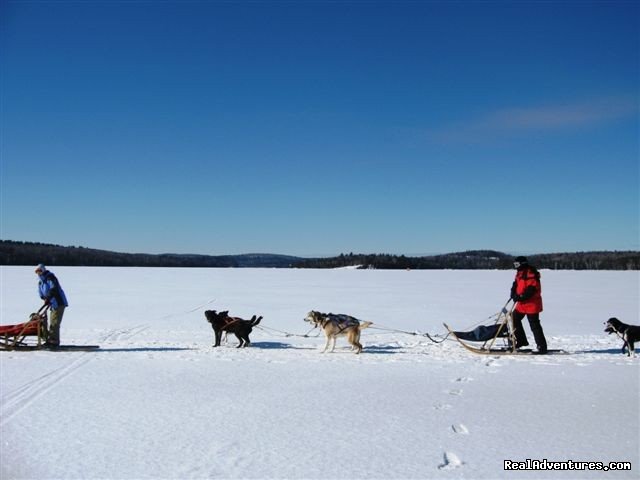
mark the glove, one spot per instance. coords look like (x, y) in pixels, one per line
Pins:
(47, 301)
(527, 294)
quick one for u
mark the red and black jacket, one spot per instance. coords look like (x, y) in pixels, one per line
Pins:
(527, 290)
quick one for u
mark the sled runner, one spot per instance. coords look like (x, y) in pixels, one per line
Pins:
(59, 348)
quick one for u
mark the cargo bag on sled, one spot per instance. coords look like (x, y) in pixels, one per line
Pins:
(484, 333)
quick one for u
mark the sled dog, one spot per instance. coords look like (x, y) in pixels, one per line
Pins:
(630, 334)
(222, 322)
(335, 326)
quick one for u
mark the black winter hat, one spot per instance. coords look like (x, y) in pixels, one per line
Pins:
(521, 260)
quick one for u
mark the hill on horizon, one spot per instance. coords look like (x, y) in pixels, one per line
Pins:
(32, 253)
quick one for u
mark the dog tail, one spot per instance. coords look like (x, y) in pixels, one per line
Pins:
(255, 321)
(364, 325)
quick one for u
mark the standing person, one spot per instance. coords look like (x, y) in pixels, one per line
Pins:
(51, 292)
(526, 291)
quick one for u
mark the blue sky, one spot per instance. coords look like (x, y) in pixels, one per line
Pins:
(315, 128)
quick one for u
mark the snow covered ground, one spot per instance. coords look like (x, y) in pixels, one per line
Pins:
(157, 401)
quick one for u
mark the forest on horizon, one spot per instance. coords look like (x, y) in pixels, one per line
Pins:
(32, 253)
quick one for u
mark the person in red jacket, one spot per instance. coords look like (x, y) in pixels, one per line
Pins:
(526, 292)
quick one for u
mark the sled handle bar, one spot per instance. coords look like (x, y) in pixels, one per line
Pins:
(504, 309)
(43, 308)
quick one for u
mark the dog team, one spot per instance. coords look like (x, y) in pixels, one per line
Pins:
(526, 293)
(332, 325)
(337, 325)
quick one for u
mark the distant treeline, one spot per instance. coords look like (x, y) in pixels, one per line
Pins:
(30, 253)
(476, 259)
(482, 260)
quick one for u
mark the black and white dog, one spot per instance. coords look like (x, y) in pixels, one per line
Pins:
(630, 334)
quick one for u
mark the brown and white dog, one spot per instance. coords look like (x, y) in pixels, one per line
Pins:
(222, 322)
(337, 325)
(630, 334)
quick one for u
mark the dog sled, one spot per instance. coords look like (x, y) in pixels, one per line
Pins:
(495, 339)
(32, 335)
(28, 335)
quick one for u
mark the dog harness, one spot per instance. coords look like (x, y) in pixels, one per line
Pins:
(343, 321)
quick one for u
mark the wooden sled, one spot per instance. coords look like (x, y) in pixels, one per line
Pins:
(486, 349)
(502, 328)
(31, 335)
(14, 337)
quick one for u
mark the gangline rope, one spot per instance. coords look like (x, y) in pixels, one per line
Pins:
(436, 338)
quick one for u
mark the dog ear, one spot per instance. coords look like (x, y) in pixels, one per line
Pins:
(225, 313)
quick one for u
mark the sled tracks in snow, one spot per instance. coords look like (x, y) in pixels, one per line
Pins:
(123, 335)
(17, 400)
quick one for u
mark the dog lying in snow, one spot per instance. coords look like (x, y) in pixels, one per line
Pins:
(335, 326)
(222, 322)
(630, 334)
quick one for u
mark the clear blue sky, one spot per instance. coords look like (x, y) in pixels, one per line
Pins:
(315, 128)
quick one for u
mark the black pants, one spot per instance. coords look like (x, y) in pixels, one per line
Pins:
(536, 329)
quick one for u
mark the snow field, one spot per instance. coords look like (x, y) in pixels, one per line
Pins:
(157, 401)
